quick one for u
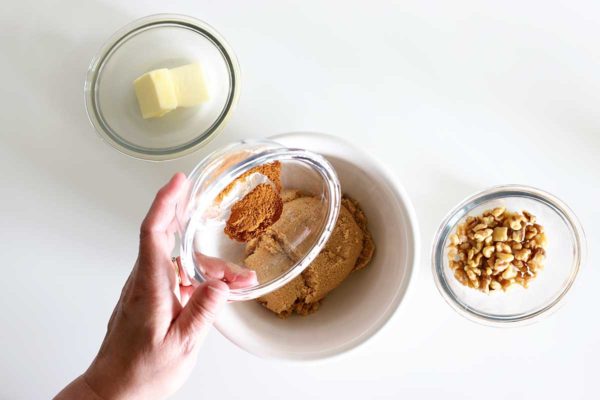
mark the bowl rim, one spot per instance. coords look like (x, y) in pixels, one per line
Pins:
(495, 192)
(269, 152)
(401, 296)
(120, 37)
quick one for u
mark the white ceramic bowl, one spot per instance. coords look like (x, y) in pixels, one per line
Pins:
(363, 304)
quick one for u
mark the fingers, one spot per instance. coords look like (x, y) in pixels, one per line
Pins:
(162, 212)
(235, 275)
(183, 276)
(157, 234)
(186, 293)
(197, 317)
(247, 279)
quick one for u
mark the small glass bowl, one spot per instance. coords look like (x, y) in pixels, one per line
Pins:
(160, 41)
(564, 255)
(208, 253)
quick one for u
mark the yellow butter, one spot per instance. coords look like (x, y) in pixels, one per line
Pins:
(190, 87)
(155, 93)
(163, 90)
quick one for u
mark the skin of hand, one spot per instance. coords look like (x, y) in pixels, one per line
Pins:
(155, 331)
(235, 276)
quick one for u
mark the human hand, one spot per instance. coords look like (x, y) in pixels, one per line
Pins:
(154, 333)
(218, 269)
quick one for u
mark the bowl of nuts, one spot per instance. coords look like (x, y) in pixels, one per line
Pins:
(507, 255)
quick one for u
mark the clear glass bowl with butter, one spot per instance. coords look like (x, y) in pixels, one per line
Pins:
(151, 43)
(227, 177)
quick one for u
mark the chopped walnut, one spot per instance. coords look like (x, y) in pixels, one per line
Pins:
(497, 249)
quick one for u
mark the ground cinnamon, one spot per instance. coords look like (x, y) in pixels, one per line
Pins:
(259, 209)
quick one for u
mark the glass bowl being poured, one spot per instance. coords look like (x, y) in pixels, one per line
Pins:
(226, 177)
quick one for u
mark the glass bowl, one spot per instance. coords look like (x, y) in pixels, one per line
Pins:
(160, 41)
(208, 253)
(565, 253)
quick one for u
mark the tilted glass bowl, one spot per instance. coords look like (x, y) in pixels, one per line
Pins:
(208, 253)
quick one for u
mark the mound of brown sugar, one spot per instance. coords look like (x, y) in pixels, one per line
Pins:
(257, 210)
(350, 247)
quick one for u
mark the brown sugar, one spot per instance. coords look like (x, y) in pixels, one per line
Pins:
(257, 210)
(350, 247)
(368, 247)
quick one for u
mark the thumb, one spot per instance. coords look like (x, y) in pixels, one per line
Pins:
(199, 313)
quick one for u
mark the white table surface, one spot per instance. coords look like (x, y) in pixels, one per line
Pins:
(429, 87)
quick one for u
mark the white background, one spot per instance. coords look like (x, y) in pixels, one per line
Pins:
(454, 96)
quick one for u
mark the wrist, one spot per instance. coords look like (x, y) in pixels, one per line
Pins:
(106, 380)
(78, 389)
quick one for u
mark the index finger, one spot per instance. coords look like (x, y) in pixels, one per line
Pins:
(162, 211)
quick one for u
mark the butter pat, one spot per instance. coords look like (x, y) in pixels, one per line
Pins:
(163, 90)
(155, 93)
(190, 88)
